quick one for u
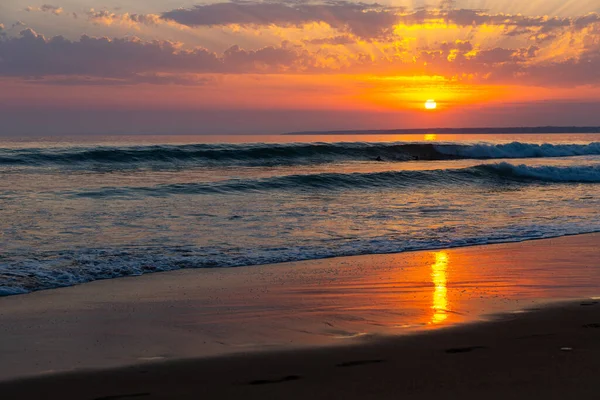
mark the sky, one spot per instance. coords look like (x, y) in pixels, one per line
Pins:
(245, 66)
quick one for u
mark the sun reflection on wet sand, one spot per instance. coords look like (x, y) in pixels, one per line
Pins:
(440, 293)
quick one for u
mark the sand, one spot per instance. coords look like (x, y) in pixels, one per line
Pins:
(413, 325)
(550, 354)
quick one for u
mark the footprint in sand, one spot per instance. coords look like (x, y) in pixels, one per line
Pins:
(267, 381)
(359, 362)
(464, 349)
(122, 396)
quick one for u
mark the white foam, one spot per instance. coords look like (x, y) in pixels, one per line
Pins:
(519, 150)
(579, 173)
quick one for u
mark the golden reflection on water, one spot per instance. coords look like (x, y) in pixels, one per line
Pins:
(440, 293)
(430, 137)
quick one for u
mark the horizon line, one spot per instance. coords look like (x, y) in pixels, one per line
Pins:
(550, 129)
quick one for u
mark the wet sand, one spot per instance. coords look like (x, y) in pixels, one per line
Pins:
(365, 326)
(550, 354)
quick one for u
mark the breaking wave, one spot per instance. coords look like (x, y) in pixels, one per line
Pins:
(545, 173)
(481, 174)
(282, 154)
(47, 270)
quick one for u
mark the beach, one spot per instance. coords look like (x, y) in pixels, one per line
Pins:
(513, 319)
(549, 354)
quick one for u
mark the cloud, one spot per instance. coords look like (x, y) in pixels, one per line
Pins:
(368, 20)
(463, 46)
(104, 17)
(350, 19)
(465, 55)
(516, 67)
(572, 72)
(494, 56)
(33, 55)
(570, 59)
(334, 40)
(48, 8)
(361, 19)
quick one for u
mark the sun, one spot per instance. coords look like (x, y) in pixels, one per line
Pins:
(430, 104)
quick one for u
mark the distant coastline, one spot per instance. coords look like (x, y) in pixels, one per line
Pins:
(439, 131)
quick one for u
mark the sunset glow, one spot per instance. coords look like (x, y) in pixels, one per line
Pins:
(322, 65)
(299, 198)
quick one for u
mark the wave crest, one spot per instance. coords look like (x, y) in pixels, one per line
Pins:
(484, 174)
(546, 173)
(518, 150)
(282, 154)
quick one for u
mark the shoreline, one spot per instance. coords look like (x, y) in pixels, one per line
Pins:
(324, 258)
(320, 304)
(551, 352)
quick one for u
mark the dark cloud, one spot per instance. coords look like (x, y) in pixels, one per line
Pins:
(361, 19)
(494, 56)
(587, 20)
(463, 46)
(367, 20)
(33, 55)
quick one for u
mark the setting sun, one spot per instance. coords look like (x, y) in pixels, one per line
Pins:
(430, 105)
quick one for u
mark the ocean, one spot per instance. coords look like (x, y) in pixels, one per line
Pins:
(75, 210)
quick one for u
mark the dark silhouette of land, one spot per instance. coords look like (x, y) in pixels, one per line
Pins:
(439, 131)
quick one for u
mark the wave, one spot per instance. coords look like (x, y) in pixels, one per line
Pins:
(477, 175)
(546, 173)
(25, 273)
(281, 154)
(517, 150)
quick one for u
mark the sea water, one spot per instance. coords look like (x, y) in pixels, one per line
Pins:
(74, 210)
